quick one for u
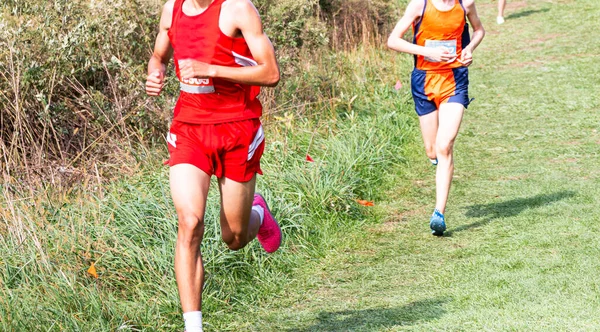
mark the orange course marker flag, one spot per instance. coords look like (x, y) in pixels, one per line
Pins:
(364, 203)
(92, 270)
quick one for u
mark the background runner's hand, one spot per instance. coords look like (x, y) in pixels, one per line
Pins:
(441, 54)
(195, 69)
(466, 57)
(154, 83)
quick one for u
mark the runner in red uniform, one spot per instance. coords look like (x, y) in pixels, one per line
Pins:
(221, 57)
(440, 80)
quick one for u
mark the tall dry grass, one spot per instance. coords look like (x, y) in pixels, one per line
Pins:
(128, 228)
(72, 105)
(81, 148)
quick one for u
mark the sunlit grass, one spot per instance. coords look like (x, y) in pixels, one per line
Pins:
(127, 228)
(520, 254)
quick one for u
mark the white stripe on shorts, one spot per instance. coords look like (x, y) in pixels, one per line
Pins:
(258, 138)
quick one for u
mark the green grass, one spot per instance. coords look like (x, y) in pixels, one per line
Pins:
(128, 227)
(520, 254)
(521, 249)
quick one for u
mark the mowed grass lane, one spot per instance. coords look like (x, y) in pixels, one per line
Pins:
(522, 247)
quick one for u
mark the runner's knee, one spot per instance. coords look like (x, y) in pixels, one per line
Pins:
(444, 148)
(191, 227)
(235, 239)
(237, 243)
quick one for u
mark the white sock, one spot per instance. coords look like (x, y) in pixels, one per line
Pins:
(193, 321)
(261, 212)
(434, 161)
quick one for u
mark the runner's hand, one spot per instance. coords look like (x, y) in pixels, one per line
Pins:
(441, 54)
(466, 57)
(154, 83)
(194, 69)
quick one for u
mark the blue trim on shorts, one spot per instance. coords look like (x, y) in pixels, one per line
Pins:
(417, 27)
(461, 92)
(423, 105)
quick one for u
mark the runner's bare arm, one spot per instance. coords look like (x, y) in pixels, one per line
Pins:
(466, 57)
(397, 43)
(162, 53)
(265, 73)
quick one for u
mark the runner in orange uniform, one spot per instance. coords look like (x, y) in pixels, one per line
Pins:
(443, 50)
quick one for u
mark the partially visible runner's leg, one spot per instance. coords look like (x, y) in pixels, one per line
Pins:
(189, 188)
(501, 5)
(450, 117)
(244, 215)
(429, 128)
(239, 224)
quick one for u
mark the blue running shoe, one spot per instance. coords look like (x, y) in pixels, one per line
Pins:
(434, 162)
(437, 223)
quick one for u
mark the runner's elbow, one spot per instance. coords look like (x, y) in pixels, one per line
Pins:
(390, 43)
(273, 78)
(393, 44)
(480, 30)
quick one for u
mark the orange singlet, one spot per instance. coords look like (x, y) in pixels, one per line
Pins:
(434, 83)
(441, 28)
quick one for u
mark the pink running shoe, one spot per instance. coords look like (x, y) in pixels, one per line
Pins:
(269, 233)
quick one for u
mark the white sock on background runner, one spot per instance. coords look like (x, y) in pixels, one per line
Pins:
(261, 212)
(193, 321)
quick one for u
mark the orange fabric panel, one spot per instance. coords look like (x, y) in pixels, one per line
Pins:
(437, 25)
(440, 86)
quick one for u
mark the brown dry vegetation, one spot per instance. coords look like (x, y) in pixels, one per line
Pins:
(72, 105)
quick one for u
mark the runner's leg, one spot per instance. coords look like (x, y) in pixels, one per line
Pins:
(501, 6)
(239, 223)
(189, 188)
(450, 117)
(429, 128)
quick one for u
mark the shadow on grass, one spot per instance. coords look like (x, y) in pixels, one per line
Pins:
(377, 318)
(508, 209)
(526, 13)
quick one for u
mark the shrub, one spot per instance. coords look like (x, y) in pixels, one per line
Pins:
(357, 22)
(73, 106)
(72, 89)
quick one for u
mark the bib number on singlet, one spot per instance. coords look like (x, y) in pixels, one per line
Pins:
(450, 45)
(197, 85)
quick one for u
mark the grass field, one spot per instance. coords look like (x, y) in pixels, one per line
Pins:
(126, 228)
(521, 250)
(520, 253)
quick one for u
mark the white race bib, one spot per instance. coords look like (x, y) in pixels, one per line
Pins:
(197, 85)
(448, 44)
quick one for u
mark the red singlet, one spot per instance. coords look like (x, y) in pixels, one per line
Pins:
(209, 101)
